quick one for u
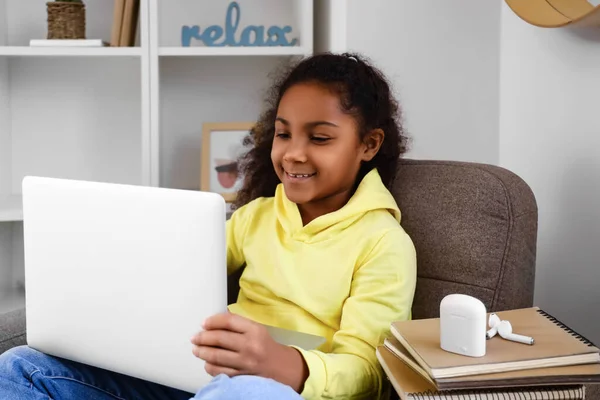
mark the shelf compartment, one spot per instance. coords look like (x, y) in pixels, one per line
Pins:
(22, 21)
(168, 23)
(77, 118)
(11, 208)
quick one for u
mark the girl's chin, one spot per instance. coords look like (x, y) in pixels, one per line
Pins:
(298, 197)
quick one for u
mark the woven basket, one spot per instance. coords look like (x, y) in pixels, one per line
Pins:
(66, 20)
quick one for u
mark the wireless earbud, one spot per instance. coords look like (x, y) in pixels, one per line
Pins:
(505, 330)
(494, 321)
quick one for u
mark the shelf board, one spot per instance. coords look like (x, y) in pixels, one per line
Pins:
(11, 208)
(20, 51)
(201, 51)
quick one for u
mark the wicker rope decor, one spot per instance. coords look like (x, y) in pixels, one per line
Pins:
(66, 20)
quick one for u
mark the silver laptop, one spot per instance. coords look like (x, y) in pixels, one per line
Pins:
(121, 276)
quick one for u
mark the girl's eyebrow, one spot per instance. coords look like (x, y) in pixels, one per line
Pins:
(308, 124)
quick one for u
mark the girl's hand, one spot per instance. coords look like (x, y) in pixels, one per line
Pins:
(234, 345)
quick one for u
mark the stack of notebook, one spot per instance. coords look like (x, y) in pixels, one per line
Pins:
(556, 366)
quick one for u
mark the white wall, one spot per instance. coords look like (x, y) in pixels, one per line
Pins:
(443, 58)
(330, 19)
(550, 136)
(479, 84)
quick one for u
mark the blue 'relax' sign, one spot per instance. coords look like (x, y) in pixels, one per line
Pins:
(252, 35)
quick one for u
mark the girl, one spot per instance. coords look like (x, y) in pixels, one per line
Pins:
(324, 253)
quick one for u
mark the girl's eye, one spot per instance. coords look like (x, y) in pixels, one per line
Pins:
(282, 135)
(319, 139)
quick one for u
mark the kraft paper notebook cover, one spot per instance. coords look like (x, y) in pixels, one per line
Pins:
(555, 345)
(411, 386)
(576, 374)
(129, 23)
(115, 33)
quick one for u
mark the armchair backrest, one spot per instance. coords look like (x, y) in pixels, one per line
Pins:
(474, 227)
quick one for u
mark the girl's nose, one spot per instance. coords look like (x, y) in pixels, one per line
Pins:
(295, 152)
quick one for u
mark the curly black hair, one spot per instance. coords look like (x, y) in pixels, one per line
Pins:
(364, 93)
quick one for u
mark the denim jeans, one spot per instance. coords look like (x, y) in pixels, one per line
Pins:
(27, 374)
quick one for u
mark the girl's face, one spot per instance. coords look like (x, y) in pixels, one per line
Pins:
(316, 150)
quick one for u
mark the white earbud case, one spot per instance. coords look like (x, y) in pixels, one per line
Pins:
(463, 325)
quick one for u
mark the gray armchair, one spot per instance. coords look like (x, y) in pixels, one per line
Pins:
(474, 227)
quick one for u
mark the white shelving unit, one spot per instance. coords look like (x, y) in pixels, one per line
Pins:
(126, 115)
(22, 51)
(223, 51)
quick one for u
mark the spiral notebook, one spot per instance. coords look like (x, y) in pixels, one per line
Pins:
(555, 345)
(571, 375)
(411, 386)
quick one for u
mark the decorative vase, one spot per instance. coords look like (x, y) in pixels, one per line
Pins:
(66, 20)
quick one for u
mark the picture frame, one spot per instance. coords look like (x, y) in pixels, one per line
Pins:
(221, 147)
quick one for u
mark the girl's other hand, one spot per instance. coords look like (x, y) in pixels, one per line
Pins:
(234, 345)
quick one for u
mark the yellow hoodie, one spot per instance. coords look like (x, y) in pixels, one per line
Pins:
(344, 276)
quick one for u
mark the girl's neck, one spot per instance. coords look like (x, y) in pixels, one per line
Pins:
(314, 209)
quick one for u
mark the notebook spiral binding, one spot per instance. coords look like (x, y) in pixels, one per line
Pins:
(566, 328)
(551, 393)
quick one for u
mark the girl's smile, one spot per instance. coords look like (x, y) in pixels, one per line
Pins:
(298, 177)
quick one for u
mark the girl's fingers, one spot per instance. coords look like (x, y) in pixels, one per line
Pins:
(219, 338)
(228, 321)
(219, 357)
(214, 370)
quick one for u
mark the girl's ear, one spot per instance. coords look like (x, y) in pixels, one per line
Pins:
(372, 143)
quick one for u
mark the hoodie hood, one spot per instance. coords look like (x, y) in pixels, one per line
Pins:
(370, 195)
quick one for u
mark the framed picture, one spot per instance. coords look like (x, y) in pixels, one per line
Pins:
(221, 146)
